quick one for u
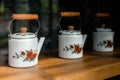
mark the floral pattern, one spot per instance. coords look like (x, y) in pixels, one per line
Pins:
(107, 43)
(28, 55)
(75, 48)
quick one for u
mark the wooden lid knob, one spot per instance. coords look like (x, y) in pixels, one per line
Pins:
(71, 27)
(103, 25)
(23, 29)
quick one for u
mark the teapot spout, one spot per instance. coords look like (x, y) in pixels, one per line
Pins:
(40, 43)
(84, 39)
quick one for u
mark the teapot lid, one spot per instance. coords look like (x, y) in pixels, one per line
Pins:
(70, 32)
(103, 28)
(23, 35)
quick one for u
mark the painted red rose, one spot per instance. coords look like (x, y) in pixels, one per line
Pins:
(71, 46)
(34, 55)
(29, 55)
(22, 53)
(77, 48)
(109, 43)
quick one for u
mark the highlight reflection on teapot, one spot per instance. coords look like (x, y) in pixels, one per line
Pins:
(24, 47)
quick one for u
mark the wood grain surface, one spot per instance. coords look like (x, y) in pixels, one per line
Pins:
(92, 66)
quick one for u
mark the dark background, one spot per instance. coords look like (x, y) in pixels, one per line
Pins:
(88, 10)
(49, 15)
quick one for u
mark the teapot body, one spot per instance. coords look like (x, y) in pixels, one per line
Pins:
(103, 41)
(23, 52)
(23, 44)
(70, 46)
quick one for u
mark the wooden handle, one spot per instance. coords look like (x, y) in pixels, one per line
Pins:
(25, 16)
(102, 14)
(69, 14)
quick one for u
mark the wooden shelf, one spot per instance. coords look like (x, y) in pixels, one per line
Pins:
(93, 66)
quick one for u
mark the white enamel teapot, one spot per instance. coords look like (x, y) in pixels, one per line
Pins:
(24, 47)
(71, 41)
(103, 39)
